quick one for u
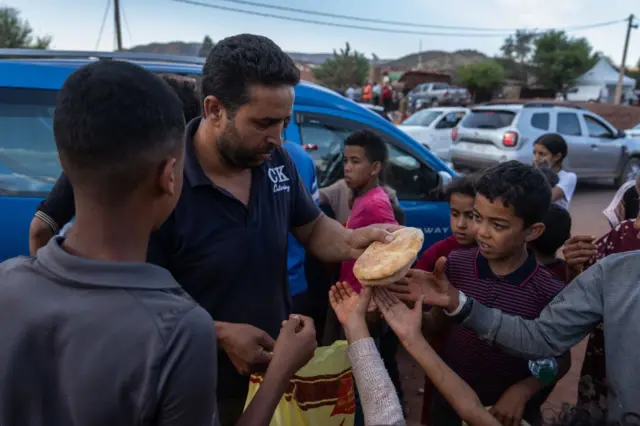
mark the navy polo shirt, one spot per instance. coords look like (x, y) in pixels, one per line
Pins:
(232, 258)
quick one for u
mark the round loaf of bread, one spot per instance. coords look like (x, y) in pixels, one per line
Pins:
(383, 264)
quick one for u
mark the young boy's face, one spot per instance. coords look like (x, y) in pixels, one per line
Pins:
(499, 232)
(358, 170)
(462, 225)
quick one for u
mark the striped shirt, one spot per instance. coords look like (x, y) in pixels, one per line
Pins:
(525, 292)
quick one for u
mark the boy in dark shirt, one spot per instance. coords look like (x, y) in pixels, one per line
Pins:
(557, 231)
(93, 335)
(511, 202)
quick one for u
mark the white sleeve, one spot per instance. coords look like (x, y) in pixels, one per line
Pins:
(568, 184)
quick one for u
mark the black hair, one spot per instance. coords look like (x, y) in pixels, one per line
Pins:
(557, 231)
(550, 174)
(114, 123)
(518, 185)
(187, 91)
(237, 62)
(465, 185)
(554, 143)
(586, 416)
(374, 147)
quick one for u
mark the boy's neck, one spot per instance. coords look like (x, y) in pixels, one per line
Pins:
(108, 235)
(366, 188)
(508, 265)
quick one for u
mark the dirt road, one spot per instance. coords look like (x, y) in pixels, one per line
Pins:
(586, 211)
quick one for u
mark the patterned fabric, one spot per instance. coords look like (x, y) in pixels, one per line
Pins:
(592, 387)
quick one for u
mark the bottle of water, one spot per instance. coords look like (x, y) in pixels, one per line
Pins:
(544, 369)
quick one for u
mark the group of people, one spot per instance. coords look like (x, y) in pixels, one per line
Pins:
(191, 217)
(376, 93)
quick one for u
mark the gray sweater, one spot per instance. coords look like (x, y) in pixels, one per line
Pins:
(607, 292)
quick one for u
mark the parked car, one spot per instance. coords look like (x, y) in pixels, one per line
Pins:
(499, 132)
(435, 94)
(377, 109)
(633, 132)
(587, 94)
(30, 80)
(432, 128)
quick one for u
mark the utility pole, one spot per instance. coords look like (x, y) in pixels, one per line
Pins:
(630, 25)
(420, 54)
(116, 16)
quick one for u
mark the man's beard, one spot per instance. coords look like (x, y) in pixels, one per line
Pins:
(234, 154)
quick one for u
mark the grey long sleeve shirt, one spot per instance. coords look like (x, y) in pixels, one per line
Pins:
(607, 292)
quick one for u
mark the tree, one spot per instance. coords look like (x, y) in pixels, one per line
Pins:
(345, 68)
(205, 47)
(17, 33)
(483, 76)
(518, 47)
(560, 59)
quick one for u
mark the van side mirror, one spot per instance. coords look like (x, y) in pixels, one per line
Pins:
(621, 134)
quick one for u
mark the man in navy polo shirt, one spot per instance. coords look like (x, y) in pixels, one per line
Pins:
(226, 241)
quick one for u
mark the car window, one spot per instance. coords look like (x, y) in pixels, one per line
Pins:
(596, 129)
(422, 118)
(488, 119)
(411, 179)
(540, 120)
(28, 156)
(450, 120)
(568, 124)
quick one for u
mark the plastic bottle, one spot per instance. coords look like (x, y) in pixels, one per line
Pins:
(544, 369)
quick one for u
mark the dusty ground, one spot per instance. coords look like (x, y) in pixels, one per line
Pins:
(586, 210)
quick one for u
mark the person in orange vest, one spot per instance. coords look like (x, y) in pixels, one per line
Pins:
(367, 93)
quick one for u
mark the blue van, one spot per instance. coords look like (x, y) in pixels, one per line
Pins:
(29, 81)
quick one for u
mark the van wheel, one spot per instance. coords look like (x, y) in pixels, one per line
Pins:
(630, 171)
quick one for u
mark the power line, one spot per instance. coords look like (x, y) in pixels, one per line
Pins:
(386, 22)
(104, 20)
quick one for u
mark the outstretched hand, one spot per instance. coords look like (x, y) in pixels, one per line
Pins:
(433, 287)
(351, 308)
(405, 322)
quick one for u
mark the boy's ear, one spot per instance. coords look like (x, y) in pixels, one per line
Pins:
(535, 231)
(377, 167)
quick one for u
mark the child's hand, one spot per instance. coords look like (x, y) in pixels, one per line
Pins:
(578, 250)
(295, 346)
(351, 307)
(405, 322)
(510, 407)
(433, 287)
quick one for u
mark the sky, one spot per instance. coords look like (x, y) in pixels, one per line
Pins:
(75, 24)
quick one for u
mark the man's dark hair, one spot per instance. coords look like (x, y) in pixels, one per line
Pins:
(591, 416)
(464, 185)
(517, 185)
(554, 143)
(557, 231)
(237, 62)
(374, 147)
(550, 174)
(187, 91)
(114, 123)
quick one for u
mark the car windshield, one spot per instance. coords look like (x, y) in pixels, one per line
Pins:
(422, 118)
(488, 119)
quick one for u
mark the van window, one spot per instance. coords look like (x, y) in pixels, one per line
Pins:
(28, 156)
(451, 120)
(405, 173)
(488, 119)
(540, 120)
(568, 124)
(596, 129)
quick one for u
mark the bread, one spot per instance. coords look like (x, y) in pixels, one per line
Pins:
(383, 264)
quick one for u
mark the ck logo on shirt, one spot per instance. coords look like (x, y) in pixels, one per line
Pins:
(279, 179)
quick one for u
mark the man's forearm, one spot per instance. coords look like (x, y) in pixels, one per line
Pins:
(327, 240)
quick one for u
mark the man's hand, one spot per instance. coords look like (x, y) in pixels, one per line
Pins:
(510, 407)
(248, 347)
(361, 238)
(433, 287)
(405, 322)
(295, 346)
(577, 251)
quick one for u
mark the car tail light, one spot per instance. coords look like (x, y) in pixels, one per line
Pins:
(454, 134)
(510, 139)
(310, 147)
